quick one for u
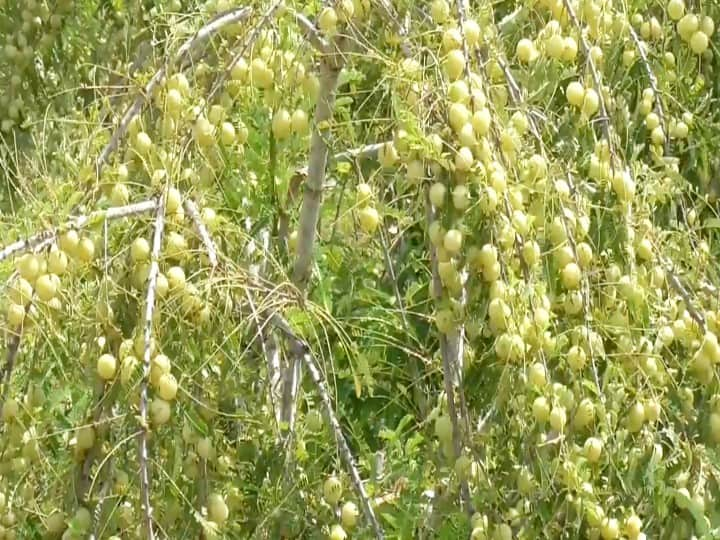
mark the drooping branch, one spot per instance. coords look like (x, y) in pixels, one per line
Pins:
(149, 311)
(231, 17)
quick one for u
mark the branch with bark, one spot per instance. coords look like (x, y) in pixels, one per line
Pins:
(149, 311)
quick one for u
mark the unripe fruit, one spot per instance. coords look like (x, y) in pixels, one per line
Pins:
(281, 124)
(525, 51)
(218, 511)
(106, 366)
(85, 437)
(610, 529)
(349, 515)
(387, 154)
(437, 194)
(676, 9)
(699, 42)
(464, 159)
(570, 276)
(591, 102)
(167, 386)
(160, 411)
(558, 418)
(369, 219)
(337, 533)
(299, 122)
(127, 369)
(471, 30)
(452, 242)
(332, 490)
(143, 143)
(28, 266)
(314, 420)
(554, 46)
(439, 11)
(363, 194)
(86, 249)
(541, 409)
(46, 287)
(443, 428)
(537, 376)
(140, 250)
(176, 278)
(575, 94)
(69, 242)
(261, 75)
(593, 449)
(227, 134)
(454, 64)
(458, 92)
(15, 315)
(327, 20)
(633, 526)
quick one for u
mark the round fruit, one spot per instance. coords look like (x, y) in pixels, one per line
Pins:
(437, 194)
(676, 9)
(85, 437)
(160, 411)
(443, 428)
(281, 124)
(452, 242)
(327, 20)
(593, 449)
(218, 511)
(106, 366)
(464, 159)
(369, 219)
(176, 278)
(143, 143)
(525, 51)
(363, 194)
(454, 64)
(699, 42)
(332, 490)
(571, 276)
(57, 261)
(575, 94)
(28, 267)
(337, 533)
(349, 515)
(167, 386)
(86, 249)
(46, 287)
(140, 250)
(299, 122)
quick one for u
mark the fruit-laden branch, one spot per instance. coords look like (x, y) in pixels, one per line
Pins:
(47, 237)
(653, 82)
(149, 310)
(449, 351)
(301, 349)
(231, 17)
(192, 210)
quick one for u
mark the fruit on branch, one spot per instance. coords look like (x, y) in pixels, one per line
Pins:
(332, 490)
(281, 124)
(337, 533)
(46, 287)
(327, 21)
(218, 511)
(106, 366)
(160, 411)
(369, 219)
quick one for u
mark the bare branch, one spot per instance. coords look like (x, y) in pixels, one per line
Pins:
(149, 310)
(192, 210)
(330, 67)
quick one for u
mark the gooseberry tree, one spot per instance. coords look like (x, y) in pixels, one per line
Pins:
(360, 269)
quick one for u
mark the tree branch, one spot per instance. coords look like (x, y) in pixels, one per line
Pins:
(149, 310)
(202, 231)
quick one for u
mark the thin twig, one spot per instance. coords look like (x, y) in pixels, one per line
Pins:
(676, 284)
(149, 310)
(47, 237)
(192, 210)
(312, 34)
